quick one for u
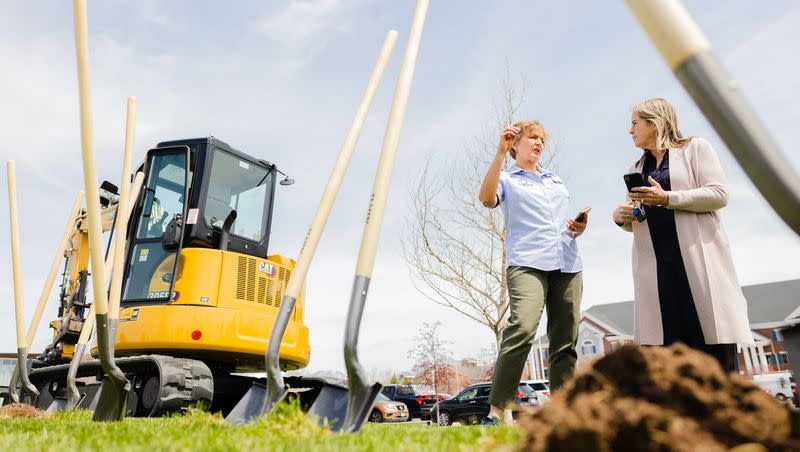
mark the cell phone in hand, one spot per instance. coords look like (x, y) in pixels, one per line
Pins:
(581, 217)
(633, 180)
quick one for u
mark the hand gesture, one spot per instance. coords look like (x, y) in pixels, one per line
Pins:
(507, 137)
(577, 227)
(650, 196)
(624, 213)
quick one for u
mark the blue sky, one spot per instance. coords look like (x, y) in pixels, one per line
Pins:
(282, 80)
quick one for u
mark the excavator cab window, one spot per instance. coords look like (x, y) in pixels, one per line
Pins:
(150, 265)
(236, 184)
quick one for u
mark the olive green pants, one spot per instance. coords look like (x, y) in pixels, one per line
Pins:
(530, 291)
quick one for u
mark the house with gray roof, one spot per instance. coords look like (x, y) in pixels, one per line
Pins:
(771, 307)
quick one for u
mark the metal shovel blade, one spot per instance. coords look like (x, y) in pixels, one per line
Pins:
(360, 405)
(255, 403)
(262, 398)
(90, 398)
(57, 405)
(65, 404)
(112, 400)
(22, 366)
(330, 407)
(115, 389)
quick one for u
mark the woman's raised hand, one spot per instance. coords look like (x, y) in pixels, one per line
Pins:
(507, 137)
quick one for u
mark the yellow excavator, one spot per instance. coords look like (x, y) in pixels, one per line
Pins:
(186, 326)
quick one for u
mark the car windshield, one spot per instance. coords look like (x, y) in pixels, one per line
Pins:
(469, 393)
(539, 386)
(405, 390)
(382, 398)
(525, 389)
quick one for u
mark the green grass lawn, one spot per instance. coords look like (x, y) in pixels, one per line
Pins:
(289, 430)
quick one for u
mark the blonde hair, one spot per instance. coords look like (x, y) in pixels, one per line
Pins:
(660, 112)
(524, 127)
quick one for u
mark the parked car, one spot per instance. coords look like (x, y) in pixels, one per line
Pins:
(419, 405)
(387, 410)
(541, 388)
(472, 404)
(780, 385)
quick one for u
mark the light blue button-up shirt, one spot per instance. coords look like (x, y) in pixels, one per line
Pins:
(536, 209)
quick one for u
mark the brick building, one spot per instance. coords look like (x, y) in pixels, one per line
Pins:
(771, 307)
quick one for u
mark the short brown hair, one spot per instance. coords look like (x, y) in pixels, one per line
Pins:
(526, 126)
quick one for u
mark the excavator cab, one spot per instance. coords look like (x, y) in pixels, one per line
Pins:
(211, 205)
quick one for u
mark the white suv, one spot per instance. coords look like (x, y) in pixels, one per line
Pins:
(541, 388)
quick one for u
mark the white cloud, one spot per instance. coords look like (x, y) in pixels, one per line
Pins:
(305, 20)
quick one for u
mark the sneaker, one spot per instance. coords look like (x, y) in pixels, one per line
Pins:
(491, 420)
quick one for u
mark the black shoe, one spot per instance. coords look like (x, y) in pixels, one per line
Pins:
(491, 420)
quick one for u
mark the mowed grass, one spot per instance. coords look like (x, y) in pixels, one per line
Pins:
(287, 430)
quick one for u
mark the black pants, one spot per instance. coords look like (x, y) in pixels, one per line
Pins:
(679, 315)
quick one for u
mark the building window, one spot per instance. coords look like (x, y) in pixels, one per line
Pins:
(771, 359)
(783, 358)
(588, 348)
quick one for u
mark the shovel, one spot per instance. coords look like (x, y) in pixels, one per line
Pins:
(19, 304)
(74, 213)
(687, 52)
(121, 223)
(362, 394)
(74, 396)
(263, 398)
(114, 393)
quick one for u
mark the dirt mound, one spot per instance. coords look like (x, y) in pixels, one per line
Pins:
(656, 398)
(20, 410)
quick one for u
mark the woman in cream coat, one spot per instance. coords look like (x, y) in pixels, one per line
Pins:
(685, 284)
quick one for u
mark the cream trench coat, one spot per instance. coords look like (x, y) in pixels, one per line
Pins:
(698, 191)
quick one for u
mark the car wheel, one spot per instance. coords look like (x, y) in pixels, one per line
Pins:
(375, 416)
(444, 418)
(780, 397)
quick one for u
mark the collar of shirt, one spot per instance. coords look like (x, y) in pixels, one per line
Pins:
(514, 169)
(649, 157)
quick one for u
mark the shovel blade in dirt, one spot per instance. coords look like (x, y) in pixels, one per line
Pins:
(90, 398)
(330, 407)
(112, 401)
(256, 402)
(57, 405)
(115, 389)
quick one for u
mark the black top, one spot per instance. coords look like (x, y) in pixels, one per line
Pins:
(660, 220)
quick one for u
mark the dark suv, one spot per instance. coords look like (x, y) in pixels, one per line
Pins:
(418, 405)
(472, 404)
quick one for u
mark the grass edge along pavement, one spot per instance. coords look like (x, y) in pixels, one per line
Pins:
(288, 429)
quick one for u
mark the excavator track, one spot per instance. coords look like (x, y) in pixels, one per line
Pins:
(160, 384)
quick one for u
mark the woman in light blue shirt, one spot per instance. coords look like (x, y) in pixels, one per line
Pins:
(543, 266)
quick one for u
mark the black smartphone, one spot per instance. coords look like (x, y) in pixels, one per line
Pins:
(633, 180)
(581, 217)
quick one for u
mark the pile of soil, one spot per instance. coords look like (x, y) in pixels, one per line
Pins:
(658, 398)
(20, 410)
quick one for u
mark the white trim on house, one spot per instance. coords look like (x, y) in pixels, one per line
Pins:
(618, 338)
(794, 315)
(593, 328)
(608, 327)
(773, 325)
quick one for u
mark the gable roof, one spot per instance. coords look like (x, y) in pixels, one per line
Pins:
(772, 302)
(618, 316)
(768, 306)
